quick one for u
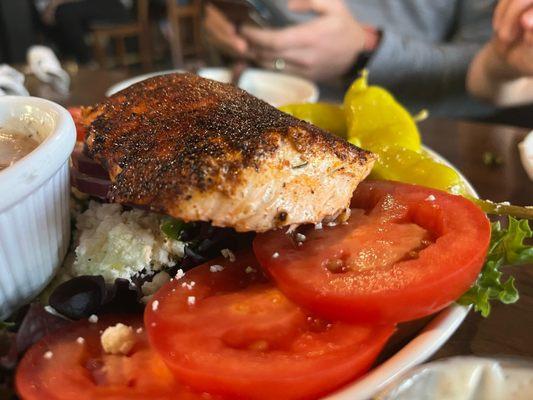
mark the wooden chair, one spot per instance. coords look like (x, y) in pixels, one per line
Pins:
(178, 16)
(119, 32)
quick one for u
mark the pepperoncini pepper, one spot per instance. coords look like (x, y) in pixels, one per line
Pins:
(404, 165)
(372, 119)
(375, 118)
(329, 117)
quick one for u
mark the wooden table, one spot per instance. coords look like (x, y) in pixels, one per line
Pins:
(509, 330)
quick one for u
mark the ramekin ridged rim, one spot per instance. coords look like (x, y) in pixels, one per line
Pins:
(31, 171)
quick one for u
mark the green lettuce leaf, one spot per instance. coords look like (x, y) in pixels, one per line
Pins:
(507, 247)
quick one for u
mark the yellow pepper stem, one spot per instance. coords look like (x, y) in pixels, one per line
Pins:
(503, 208)
(421, 115)
(361, 83)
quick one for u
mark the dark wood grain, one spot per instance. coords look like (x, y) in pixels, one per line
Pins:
(509, 330)
(88, 86)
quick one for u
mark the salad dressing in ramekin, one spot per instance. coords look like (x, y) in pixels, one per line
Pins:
(13, 146)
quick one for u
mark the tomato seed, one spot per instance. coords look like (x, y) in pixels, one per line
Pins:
(336, 265)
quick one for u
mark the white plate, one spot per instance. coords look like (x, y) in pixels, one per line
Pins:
(275, 88)
(438, 330)
(418, 350)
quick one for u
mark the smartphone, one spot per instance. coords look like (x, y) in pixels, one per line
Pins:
(262, 13)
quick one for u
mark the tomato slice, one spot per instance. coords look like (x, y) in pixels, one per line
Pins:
(406, 252)
(63, 367)
(81, 131)
(224, 328)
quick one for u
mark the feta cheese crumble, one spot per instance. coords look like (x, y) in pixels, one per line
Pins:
(149, 288)
(188, 285)
(191, 300)
(121, 244)
(300, 237)
(93, 319)
(118, 339)
(216, 268)
(228, 254)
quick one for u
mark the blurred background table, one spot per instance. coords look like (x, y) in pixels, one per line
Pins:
(508, 330)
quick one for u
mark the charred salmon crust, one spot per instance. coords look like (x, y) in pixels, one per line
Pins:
(197, 149)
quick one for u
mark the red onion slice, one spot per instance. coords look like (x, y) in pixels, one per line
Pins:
(90, 185)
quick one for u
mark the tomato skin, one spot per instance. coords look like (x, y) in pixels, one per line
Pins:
(405, 291)
(81, 130)
(74, 368)
(212, 345)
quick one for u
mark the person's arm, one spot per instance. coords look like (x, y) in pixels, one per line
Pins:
(502, 72)
(428, 72)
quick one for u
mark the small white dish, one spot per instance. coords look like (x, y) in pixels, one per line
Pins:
(465, 377)
(34, 200)
(275, 88)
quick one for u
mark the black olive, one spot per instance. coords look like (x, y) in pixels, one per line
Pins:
(79, 297)
(122, 297)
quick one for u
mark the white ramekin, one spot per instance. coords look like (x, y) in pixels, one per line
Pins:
(34, 200)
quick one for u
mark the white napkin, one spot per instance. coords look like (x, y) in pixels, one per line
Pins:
(11, 81)
(44, 64)
(526, 154)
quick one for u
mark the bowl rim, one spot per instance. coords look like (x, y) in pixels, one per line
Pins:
(35, 168)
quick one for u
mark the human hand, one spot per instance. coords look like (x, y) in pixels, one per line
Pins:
(222, 34)
(325, 47)
(513, 42)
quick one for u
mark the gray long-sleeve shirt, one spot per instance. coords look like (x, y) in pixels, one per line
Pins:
(425, 49)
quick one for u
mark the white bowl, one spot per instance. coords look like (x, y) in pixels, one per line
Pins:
(34, 200)
(117, 87)
(275, 88)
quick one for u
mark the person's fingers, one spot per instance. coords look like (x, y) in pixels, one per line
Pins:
(317, 6)
(222, 32)
(216, 21)
(527, 19)
(499, 12)
(299, 5)
(300, 57)
(510, 24)
(288, 68)
(277, 39)
(528, 37)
